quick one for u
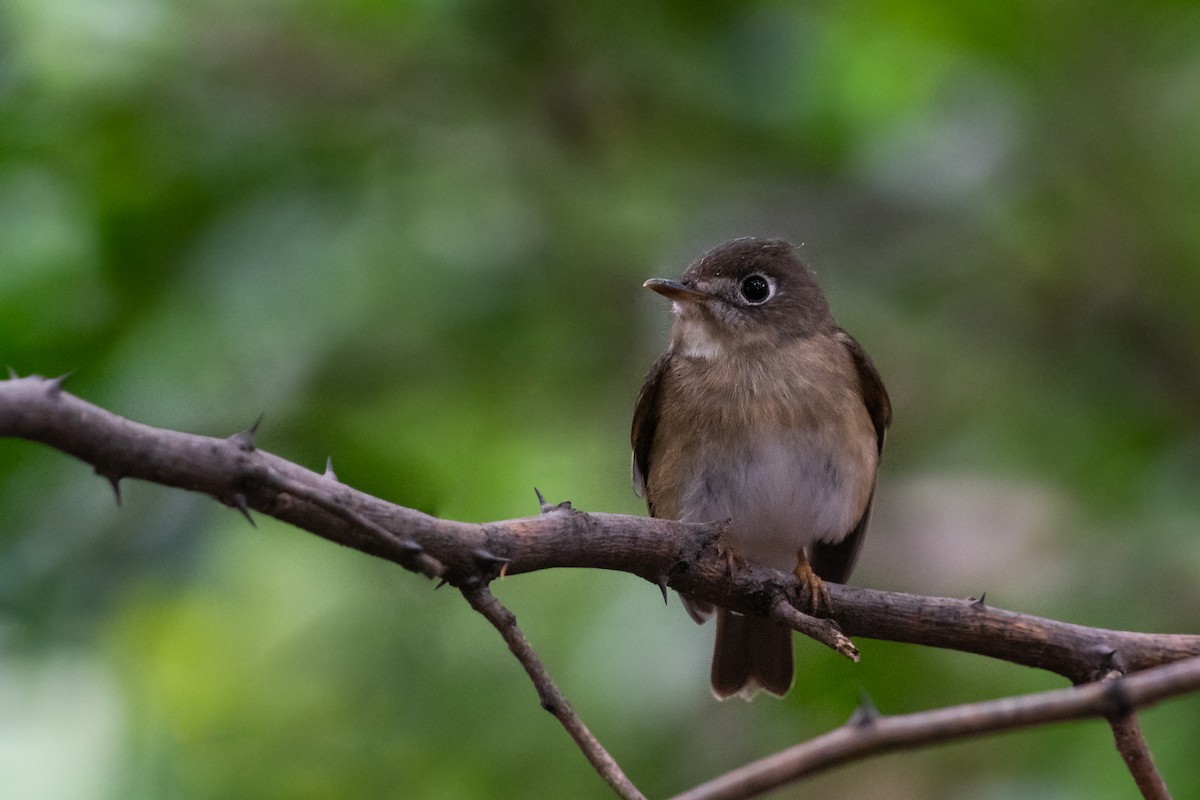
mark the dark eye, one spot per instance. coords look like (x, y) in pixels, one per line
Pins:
(757, 289)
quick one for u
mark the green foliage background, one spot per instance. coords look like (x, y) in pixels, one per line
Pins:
(413, 234)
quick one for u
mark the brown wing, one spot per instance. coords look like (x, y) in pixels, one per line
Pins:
(833, 562)
(645, 421)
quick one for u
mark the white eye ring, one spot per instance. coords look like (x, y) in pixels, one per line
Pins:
(756, 288)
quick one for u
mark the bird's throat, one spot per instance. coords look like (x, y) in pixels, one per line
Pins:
(692, 338)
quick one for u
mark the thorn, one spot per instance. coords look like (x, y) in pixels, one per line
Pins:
(54, 385)
(565, 505)
(1113, 660)
(245, 439)
(441, 582)
(329, 473)
(978, 603)
(12, 374)
(409, 546)
(504, 570)
(115, 481)
(239, 502)
(866, 714)
(662, 584)
(488, 559)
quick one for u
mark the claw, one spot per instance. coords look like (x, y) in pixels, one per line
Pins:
(812, 586)
(726, 551)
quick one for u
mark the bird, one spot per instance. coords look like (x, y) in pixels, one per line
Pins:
(761, 412)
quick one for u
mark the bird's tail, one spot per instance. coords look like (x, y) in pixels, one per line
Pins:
(751, 653)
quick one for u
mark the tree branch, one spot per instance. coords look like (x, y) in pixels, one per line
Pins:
(868, 734)
(1131, 744)
(483, 601)
(681, 556)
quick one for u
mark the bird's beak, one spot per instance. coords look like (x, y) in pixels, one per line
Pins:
(674, 290)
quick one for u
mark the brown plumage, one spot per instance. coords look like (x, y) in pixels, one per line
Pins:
(761, 411)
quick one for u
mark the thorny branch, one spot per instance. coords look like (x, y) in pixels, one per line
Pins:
(669, 554)
(867, 733)
(482, 600)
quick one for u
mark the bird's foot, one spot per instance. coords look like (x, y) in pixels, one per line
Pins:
(812, 588)
(732, 559)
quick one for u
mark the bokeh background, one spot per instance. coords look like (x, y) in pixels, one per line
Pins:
(414, 233)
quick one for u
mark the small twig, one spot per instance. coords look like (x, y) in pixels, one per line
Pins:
(483, 601)
(824, 631)
(868, 735)
(1131, 744)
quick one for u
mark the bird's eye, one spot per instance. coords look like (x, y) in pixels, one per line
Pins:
(756, 289)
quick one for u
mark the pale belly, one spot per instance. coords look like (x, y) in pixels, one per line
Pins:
(780, 494)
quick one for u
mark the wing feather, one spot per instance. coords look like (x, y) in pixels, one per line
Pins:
(645, 423)
(834, 562)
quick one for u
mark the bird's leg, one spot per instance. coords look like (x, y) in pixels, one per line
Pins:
(726, 551)
(811, 584)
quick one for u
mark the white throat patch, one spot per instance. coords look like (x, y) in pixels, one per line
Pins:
(694, 340)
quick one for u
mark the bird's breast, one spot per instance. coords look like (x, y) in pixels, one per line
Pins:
(782, 447)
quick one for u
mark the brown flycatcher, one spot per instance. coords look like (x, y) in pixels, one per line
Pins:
(763, 412)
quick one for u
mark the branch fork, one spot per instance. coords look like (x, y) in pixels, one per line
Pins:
(1142, 668)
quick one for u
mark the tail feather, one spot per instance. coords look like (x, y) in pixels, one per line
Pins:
(751, 653)
(698, 610)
